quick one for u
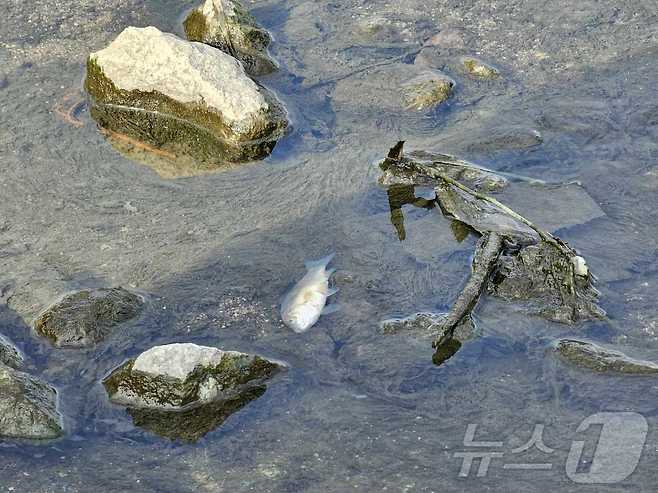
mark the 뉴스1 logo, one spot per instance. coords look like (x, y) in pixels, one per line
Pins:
(617, 453)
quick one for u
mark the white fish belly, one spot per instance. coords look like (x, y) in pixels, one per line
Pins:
(302, 307)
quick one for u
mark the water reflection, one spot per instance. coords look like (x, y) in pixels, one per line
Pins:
(191, 425)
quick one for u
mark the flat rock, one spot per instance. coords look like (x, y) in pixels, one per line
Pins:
(182, 98)
(180, 376)
(28, 406)
(9, 354)
(598, 358)
(227, 25)
(86, 317)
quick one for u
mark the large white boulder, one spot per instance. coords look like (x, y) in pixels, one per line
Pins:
(182, 97)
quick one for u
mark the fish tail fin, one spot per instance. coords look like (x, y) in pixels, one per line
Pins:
(320, 263)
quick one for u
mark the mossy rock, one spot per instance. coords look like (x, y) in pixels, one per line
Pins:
(177, 376)
(479, 69)
(28, 407)
(200, 106)
(427, 90)
(193, 423)
(86, 317)
(9, 354)
(597, 358)
(228, 26)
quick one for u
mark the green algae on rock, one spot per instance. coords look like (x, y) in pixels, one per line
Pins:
(9, 354)
(428, 89)
(190, 424)
(227, 25)
(598, 358)
(86, 317)
(28, 407)
(183, 99)
(479, 69)
(179, 376)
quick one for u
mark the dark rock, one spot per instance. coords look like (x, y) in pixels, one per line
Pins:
(84, 318)
(191, 424)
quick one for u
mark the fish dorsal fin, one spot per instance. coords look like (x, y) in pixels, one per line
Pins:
(320, 263)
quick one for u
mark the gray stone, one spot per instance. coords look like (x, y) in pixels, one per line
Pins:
(9, 354)
(28, 406)
(179, 376)
(227, 25)
(598, 358)
(86, 317)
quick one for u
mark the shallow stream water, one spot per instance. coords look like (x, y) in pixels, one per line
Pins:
(214, 254)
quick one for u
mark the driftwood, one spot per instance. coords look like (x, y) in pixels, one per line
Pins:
(515, 259)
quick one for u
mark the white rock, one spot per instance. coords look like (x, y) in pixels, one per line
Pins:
(215, 9)
(177, 360)
(579, 266)
(147, 59)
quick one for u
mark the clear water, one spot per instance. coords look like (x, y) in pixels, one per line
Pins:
(358, 411)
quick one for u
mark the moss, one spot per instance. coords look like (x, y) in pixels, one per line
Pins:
(195, 26)
(180, 128)
(192, 424)
(480, 69)
(86, 317)
(238, 35)
(427, 93)
(232, 375)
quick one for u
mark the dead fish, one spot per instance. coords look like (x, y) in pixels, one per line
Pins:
(306, 301)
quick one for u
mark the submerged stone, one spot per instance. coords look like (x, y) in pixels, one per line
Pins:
(594, 357)
(428, 89)
(179, 376)
(9, 354)
(428, 324)
(479, 69)
(227, 25)
(28, 406)
(184, 99)
(86, 317)
(191, 424)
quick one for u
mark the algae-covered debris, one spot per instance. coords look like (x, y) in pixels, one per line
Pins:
(515, 259)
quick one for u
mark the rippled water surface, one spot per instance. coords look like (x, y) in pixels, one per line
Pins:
(213, 254)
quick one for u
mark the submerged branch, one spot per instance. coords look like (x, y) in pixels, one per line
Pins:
(486, 254)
